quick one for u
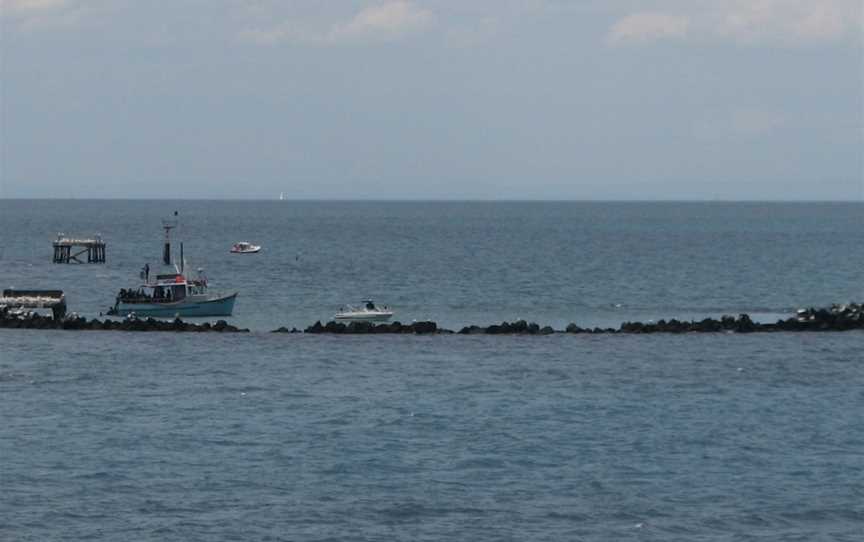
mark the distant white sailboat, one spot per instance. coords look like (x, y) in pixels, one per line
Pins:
(281, 196)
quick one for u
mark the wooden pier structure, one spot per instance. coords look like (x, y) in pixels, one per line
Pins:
(68, 250)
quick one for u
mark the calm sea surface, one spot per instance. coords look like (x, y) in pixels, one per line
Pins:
(161, 436)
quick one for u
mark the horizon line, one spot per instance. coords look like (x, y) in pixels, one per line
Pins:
(440, 200)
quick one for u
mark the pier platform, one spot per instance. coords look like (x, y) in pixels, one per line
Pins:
(72, 250)
(54, 300)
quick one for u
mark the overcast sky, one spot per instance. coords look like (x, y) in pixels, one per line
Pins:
(476, 99)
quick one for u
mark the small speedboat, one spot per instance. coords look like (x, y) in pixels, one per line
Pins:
(367, 312)
(244, 248)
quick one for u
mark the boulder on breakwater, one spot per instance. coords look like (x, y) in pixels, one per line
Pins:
(284, 329)
(73, 322)
(519, 327)
(368, 328)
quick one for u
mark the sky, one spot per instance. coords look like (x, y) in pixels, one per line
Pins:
(432, 99)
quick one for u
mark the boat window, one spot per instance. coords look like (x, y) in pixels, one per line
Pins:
(179, 292)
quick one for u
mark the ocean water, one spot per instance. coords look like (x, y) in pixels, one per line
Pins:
(160, 436)
(460, 263)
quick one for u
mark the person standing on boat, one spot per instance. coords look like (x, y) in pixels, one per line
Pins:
(146, 273)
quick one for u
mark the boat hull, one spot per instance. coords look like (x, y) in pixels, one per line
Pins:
(185, 308)
(382, 317)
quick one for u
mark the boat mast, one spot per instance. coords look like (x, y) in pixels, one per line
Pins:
(168, 225)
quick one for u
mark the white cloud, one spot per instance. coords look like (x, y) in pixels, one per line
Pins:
(36, 15)
(748, 22)
(387, 20)
(641, 27)
(788, 20)
(384, 22)
(29, 5)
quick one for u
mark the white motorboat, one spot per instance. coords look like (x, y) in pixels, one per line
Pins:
(244, 248)
(367, 312)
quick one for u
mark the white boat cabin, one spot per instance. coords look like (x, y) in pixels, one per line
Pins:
(166, 288)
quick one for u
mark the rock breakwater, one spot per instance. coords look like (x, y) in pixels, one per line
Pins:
(836, 318)
(35, 321)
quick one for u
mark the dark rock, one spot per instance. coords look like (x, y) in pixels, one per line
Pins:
(708, 325)
(395, 327)
(359, 327)
(179, 325)
(519, 326)
(315, 328)
(335, 327)
(632, 327)
(745, 324)
(220, 325)
(425, 327)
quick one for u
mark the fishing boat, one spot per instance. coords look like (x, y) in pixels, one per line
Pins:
(244, 247)
(367, 312)
(172, 295)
